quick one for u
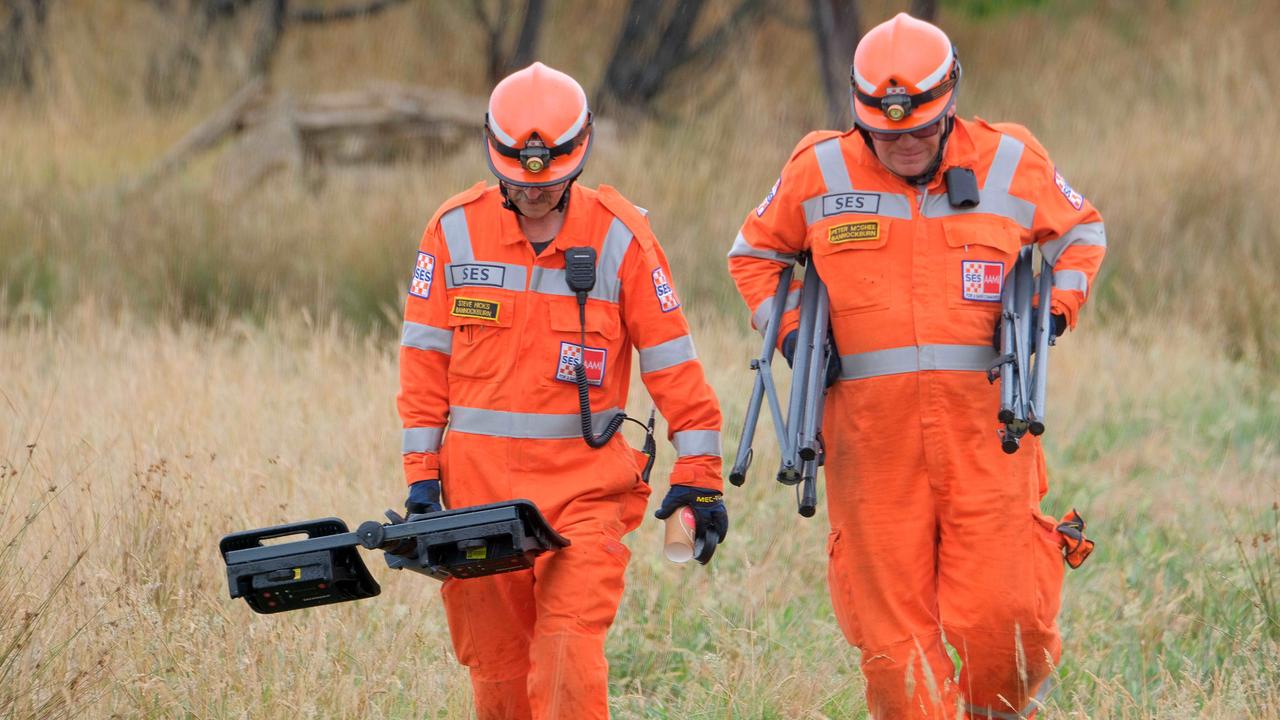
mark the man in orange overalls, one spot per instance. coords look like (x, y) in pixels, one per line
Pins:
(492, 337)
(936, 534)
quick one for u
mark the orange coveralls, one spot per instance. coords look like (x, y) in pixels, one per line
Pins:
(491, 335)
(935, 531)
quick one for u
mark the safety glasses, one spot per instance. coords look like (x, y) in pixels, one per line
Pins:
(923, 133)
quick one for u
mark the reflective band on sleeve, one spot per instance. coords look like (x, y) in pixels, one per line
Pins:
(742, 248)
(1071, 280)
(765, 311)
(667, 354)
(911, 358)
(696, 442)
(995, 198)
(831, 162)
(457, 236)
(1084, 234)
(551, 281)
(484, 274)
(421, 440)
(527, 426)
(426, 337)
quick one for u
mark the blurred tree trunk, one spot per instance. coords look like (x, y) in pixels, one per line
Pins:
(655, 41)
(924, 9)
(21, 41)
(836, 32)
(501, 59)
(266, 39)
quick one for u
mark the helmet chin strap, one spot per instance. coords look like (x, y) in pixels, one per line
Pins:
(560, 206)
(927, 174)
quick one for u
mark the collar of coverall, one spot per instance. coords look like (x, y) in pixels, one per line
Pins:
(959, 152)
(511, 233)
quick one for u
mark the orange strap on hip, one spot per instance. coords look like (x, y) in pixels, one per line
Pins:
(1075, 547)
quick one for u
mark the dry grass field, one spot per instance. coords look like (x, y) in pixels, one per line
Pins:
(174, 367)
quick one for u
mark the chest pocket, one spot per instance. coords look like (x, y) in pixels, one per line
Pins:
(850, 257)
(980, 255)
(481, 320)
(603, 329)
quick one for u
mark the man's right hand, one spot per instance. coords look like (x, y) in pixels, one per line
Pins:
(789, 353)
(424, 497)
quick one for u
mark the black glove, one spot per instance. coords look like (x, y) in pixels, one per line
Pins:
(424, 497)
(833, 360)
(1058, 322)
(711, 519)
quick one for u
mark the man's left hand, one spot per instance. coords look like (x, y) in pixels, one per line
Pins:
(709, 512)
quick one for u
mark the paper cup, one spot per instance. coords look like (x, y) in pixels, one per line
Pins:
(678, 545)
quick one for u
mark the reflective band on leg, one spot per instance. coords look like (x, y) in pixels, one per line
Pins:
(527, 426)
(667, 354)
(895, 361)
(1035, 704)
(422, 439)
(696, 442)
(427, 337)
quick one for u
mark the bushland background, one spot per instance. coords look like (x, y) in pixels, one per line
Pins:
(176, 364)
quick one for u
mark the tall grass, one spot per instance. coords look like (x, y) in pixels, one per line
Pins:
(163, 438)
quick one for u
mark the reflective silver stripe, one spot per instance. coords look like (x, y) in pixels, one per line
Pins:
(457, 236)
(484, 274)
(1004, 165)
(696, 442)
(742, 248)
(856, 202)
(529, 426)
(911, 358)
(831, 162)
(426, 337)
(1032, 705)
(1085, 234)
(550, 281)
(616, 242)
(765, 311)
(667, 354)
(1071, 280)
(995, 196)
(422, 439)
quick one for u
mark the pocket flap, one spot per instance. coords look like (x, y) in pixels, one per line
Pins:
(600, 319)
(982, 232)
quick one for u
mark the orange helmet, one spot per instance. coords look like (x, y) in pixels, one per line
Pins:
(904, 77)
(538, 127)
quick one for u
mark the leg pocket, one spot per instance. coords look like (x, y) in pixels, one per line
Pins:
(840, 585)
(1049, 568)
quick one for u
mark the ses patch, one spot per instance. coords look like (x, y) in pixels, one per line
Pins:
(854, 232)
(983, 280)
(1073, 197)
(461, 274)
(768, 199)
(476, 308)
(667, 299)
(594, 361)
(423, 272)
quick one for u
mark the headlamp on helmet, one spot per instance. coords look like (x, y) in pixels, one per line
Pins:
(897, 104)
(534, 156)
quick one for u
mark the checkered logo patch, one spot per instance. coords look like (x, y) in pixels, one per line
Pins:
(982, 280)
(423, 272)
(667, 299)
(1073, 197)
(571, 355)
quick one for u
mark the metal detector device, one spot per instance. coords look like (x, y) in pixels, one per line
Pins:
(799, 432)
(1022, 326)
(326, 567)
